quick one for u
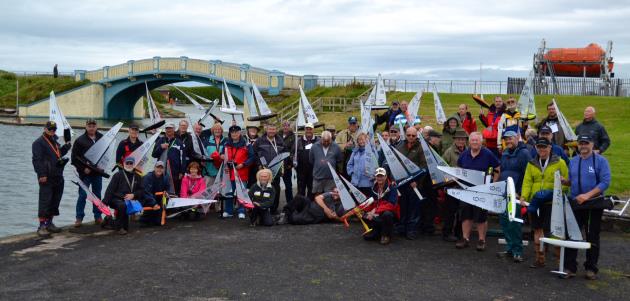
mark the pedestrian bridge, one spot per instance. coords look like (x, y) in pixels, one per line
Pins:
(114, 91)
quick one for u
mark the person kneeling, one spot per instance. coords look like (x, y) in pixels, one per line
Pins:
(302, 211)
(125, 186)
(155, 185)
(262, 195)
(192, 183)
(384, 210)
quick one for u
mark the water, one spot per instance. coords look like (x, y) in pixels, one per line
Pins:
(18, 181)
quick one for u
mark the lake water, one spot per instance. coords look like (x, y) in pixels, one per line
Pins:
(18, 182)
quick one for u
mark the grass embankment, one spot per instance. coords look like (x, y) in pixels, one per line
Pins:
(612, 112)
(32, 88)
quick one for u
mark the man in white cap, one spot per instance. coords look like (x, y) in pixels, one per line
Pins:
(168, 149)
(304, 168)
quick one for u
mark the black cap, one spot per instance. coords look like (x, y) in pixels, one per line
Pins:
(545, 129)
(90, 121)
(134, 126)
(395, 103)
(433, 133)
(235, 128)
(51, 125)
(585, 138)
(393, 129)
(543, 141)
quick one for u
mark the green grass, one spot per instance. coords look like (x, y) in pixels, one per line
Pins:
(612, 112)
(280, 101)
(32, 88)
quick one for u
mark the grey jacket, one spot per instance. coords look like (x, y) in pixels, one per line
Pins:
(319, 160)
(597, 132)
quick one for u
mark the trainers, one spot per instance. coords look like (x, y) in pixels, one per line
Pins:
(226, 215)
(385, 240)
(449, 238)
(462, 243)
(241, 215)
(504, 254)
(518, 258)
(78, 223)
(43, 232)
(53, 229)
(122, 232)
(590, 275)
(282, 219)
(481, 245)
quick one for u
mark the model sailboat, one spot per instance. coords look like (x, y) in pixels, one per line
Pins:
(142, 154)
(305, 115)
(414, 108)
(438, 177)
(227, 102)
(91, 197)
(401, 168)
(352, 200)
(96, 153)
(564, 227)
(377, 99)
(63, 127)
(154, 114)
(565, 126)
(260, 110)
(526, 105)
(440, 117)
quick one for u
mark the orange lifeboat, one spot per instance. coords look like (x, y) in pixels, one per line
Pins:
(573, 62)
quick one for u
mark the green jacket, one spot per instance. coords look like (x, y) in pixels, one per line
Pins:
(535, 179)
(451, 155)
(415, 154)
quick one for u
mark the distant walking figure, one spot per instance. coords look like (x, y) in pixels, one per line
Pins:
(55, 71)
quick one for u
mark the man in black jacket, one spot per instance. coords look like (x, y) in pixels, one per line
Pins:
(269, 146)
(86, 175)
(304, 168)
(125, 185)
(594, 129)
(288, 137)
(127, 146)
(48, 163)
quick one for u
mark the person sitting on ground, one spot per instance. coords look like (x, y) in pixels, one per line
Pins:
(125, 185)
(537, 189)
(361, 165)
(384, 211)
(302, 211)
(155, 185)
(192, 183)
(262, 195)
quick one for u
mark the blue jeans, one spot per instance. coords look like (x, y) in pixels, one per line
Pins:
(228, 203)
(96, 183)
(409, 211)
(512, 232)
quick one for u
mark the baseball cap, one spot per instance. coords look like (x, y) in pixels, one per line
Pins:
(352, 120)
(509, 134)
(309, 125)
(545, 128)
(331, 127)
(169, 125)
(159, 163)
(395, 103)
(130, 159)
(133, 126)
(543, 141)
(380, 172)
(51, 125)
(434, 133)
(90, 121)
(235, 128)
(585, 138)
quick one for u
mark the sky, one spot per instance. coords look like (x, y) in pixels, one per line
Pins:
(400, 39)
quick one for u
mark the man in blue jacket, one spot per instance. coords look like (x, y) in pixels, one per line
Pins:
(589, 177)
(513, 164)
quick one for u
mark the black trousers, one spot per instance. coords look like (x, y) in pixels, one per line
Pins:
(49, 197)
(382, 225)
(590, 221)
(276, 199)
(449, 212)
(122, 219)
(262, 216)
(428, 207)
(305, 182)
(287, 178)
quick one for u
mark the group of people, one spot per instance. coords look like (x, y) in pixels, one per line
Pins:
(530, 156)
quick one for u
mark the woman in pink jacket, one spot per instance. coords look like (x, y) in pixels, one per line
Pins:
(193, 183)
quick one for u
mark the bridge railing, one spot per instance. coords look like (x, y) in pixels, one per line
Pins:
(271, 80)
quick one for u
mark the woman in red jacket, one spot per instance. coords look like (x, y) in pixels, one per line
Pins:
(465, 119)
(382, 213)
(491, 122)
(240, 155)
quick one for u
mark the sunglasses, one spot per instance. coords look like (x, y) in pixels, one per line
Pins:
(410, 135)
(128, 163)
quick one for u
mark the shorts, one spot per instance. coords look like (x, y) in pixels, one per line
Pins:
(323, 185)
(542, 218)
(474, 213)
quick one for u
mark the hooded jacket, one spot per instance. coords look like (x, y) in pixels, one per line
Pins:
(361, 168)
(537, 179)
(45, 160)
(513, 164)
(239, 153)
(80, 147)
(597, 132)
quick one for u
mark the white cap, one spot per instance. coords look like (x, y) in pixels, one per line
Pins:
(381, 172)
(309, 125)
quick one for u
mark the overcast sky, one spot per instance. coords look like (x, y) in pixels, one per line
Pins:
(404, 39)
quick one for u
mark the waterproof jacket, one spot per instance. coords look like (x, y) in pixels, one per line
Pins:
(289, 146)
(214, 149)
(468, 123)
(304, 167)
(447, 134)
(384, 200)
(153, 184)
(491, 122)
(597, 132)
(451, 155)
(192, 185)
(513, 164)
(45, 158)
(239, 153)
(125, 148)
(81, 145)
(536, 179)
(173, 156)
(122, 183)
(264, 148)
(361, 168)
(319, 160)
(262, 197)
(559, 137)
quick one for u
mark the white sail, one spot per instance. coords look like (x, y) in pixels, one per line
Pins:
(228, 95)
(96, 151)
(90, 196)
(359, 197)
(414, 107)
(377, 96)
(440, 117)
(557, 209)
(300, 119)
(496, 188)
(260, 101)
(241, 192)
(186, 202)
(566, 128)
(473, 177)
(433, 161)
(197, 148)
(491, 202)
(107, 161)
(526, 105)
(512, 201)
(224, 104)
(346, 199)
(573, 229)
(202, 98)
(397, 170)
(154, 114)
(309, 113)
(366, 119)
(228, 105)
(141, 154)
(192, 100)
(57, 116)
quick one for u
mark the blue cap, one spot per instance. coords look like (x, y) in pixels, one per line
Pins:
(510, 134)
(352, 119)
(130, 159)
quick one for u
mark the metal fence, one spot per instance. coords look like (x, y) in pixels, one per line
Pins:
(566, 86)
(42, 73)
